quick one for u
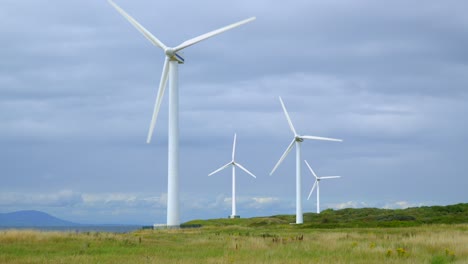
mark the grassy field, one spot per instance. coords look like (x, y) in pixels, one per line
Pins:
(270, 243)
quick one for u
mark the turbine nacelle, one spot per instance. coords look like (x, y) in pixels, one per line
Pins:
(178, 58)
(298, 139)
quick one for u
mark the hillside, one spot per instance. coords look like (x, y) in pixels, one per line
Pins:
(31, 219)
(360, 217)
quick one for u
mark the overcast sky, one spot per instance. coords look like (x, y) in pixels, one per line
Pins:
(78, 84)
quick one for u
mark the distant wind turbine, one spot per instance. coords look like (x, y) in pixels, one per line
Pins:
(170, 71)
(297, 141)
(234, 164)
(317, 184)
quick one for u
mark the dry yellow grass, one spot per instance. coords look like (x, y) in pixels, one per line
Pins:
(426, 244)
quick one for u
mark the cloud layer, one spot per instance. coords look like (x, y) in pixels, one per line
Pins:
(77, 86)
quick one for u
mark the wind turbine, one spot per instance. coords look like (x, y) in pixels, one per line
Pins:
(297, 141)
(317, 183)
(170, 71)
(233, 163)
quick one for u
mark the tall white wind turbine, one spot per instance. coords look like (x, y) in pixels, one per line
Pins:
(297, 141)
(234, 164)
(170, 71)
(317, 184)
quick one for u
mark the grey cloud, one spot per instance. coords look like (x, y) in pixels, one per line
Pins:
(63, 198)
(78, 84)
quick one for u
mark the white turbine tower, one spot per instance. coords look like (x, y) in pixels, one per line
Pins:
(170, 71)
(297, 141)
(317, 184)
(233, 163)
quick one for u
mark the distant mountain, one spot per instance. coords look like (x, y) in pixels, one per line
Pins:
(31, 218)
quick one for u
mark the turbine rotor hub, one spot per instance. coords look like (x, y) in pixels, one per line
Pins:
(173, 56)
(170, 52)
(299, 139)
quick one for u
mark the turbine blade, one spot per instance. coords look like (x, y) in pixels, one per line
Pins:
(311, 170)
(139, 27)
(157, 104)
(234, 147)
(220, 169)
(330, 177)
(287, 117)
(284, 156)
(321, 138)
(312, 190)
(195, 40)
(244, 169)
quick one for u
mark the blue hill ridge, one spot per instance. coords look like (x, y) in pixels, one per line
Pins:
(31, 218)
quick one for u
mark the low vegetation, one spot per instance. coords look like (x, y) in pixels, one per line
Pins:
(362, 217)
(260, 240)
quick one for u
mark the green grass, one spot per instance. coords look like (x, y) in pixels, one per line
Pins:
(281, 243)
(368, 235)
